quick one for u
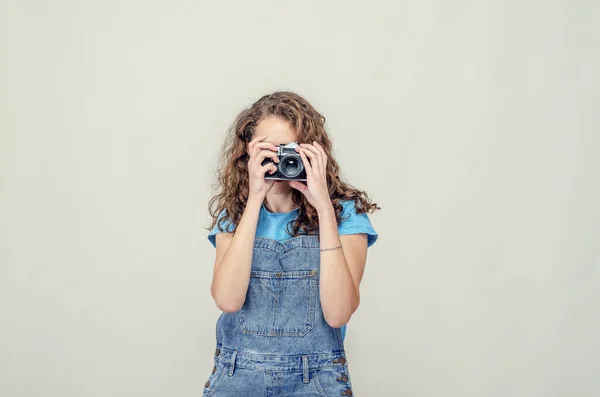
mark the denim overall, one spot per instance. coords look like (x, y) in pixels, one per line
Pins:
(279, 344)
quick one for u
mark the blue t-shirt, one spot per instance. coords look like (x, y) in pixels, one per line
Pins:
(274, 225)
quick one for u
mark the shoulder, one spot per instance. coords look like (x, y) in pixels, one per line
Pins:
(226, 226)
(355, 223)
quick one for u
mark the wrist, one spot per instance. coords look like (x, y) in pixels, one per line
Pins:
(254, 202)
(325, 209)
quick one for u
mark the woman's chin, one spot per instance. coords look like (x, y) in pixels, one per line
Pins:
(281, 185)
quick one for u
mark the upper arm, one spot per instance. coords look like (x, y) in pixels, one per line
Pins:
(356, 234)
(222, 240)
(355, 252)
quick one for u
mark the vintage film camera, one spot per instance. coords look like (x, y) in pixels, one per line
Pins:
(290, 166)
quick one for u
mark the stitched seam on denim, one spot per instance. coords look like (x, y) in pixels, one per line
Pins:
(276, 304)
(266, 249)
(303, 241)
(311, 310)
(318, 383)
(269, 356)
(294, 274)
(289, 363)
(263, 367)
(297, 248)
(338, 336)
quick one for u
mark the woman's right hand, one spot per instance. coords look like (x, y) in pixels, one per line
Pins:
(259, 150)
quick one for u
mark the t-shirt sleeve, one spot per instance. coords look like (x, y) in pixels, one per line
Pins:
(355, 223)
(227, 226)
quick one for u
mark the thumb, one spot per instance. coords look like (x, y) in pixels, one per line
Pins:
(299, 186)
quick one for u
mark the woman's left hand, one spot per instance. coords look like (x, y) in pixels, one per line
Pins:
(316, 190)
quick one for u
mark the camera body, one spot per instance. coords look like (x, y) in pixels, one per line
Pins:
(290, 166)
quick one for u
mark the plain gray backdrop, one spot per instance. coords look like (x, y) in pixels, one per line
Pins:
(473, 124)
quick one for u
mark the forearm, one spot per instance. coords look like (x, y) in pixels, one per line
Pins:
(232, 275)
(339, 294)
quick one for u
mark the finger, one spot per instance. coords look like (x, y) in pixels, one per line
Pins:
(262, 146)
(299, 186)
(262, 150)
(270, 168)
(323, 156)
(314, 159)
(258, 146)
(255, 140)
(259, 142)
(313, 153)
(306, 163)
(265, 145)
(263, 154)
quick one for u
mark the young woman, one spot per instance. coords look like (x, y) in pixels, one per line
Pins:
(290, 257)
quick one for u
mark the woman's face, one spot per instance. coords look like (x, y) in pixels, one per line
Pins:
(277, 131)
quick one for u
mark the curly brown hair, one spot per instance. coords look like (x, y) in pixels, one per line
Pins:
(232, 180)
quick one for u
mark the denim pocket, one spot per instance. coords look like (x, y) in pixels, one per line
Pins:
(280, 303)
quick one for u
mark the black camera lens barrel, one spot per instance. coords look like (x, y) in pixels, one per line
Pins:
(290, 165)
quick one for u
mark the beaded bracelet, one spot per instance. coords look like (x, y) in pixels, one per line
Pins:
(332, 248)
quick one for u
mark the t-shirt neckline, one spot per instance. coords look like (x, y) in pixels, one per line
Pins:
(264, 208)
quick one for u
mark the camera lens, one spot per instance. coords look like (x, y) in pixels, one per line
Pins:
(291, 166)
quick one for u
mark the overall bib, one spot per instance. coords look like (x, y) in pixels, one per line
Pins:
(279, 344)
